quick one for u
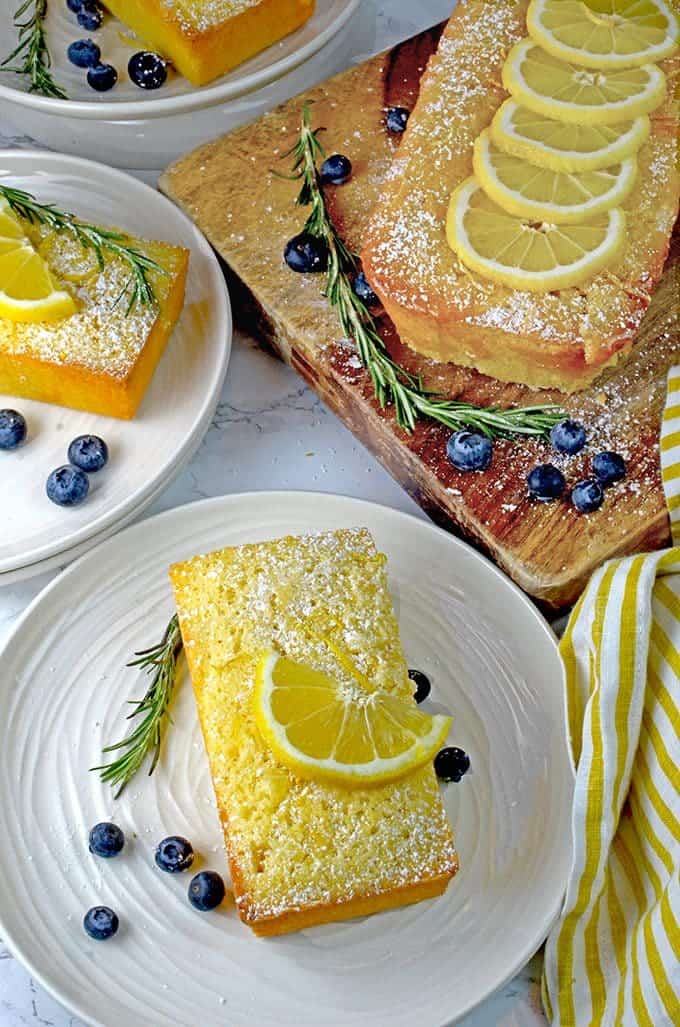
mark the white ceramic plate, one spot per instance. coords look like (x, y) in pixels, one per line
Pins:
(177, 407)
(127, 101)
(493, 662)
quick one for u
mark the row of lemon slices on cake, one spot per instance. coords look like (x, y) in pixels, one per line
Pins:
(542, 210)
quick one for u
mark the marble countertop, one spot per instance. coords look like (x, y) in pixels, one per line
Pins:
(269, 432)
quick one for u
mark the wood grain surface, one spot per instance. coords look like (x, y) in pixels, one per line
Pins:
(229, 189)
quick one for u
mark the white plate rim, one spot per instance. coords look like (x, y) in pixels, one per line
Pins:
(222, 310)
(330, 499)
(199, 97)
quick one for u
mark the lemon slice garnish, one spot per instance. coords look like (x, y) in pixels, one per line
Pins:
(524, 253)
(545, 84)
(562, 147)
(545, 195)
(605, 33)
(322, 728)
(28, 292)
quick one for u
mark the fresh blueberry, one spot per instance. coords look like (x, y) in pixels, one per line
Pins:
(608, 467)
(84, 53)
(206, 890)
(363, 290)
(90, 15)
(67, 486)
(102, 77)
(451, 763)
(12, 429)
(100, 923)
(88, 452)
(147, 70)
(174, 854)
(397, 119)
(106, 840)
(587, 496)
(305, 253)
(422, 683)
(336, 169)
(568, 437)
(546, 482)
(469, 451)
(74, 5)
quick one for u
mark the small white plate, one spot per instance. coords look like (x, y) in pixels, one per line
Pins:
(493, 663)
(176, 410)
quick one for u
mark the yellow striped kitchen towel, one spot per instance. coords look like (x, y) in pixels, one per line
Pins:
(613, 958)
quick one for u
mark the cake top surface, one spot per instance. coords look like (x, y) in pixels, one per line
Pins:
(296, 843)
(407, 253)
(201, 15)
(101, 337)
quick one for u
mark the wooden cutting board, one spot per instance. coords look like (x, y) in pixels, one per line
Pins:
(228, 189)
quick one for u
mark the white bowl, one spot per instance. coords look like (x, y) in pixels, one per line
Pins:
(130, 128)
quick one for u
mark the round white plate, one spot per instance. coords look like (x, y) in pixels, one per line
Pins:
(178, 405)
(127, 101)
(493, 663)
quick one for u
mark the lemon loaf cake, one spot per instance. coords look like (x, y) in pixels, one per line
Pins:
(304, 852)
(561, 338)
(102, 357)
(206, 38)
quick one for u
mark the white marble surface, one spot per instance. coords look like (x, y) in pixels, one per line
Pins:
(269, 432)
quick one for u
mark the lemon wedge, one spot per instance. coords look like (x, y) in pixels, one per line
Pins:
(604, 33)
(545, 84)
(523, 253)
(545, 195)
(561, 147)
(28, 292)
(322, 728)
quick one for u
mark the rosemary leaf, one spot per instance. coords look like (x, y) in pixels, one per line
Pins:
(32, 52)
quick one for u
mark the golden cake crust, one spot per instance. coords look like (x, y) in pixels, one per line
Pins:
(304, 852)
(562, 339)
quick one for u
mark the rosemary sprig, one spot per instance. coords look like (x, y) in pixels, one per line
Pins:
(138, 289)
(32, 51)
(161, 662)
(392, 384)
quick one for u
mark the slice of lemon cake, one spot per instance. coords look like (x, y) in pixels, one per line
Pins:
(206, 38)
(102, 356)
(305, 851)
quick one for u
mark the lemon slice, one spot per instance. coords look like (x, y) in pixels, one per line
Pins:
(567, 92)
(604, 33)
(545, 195)
(28, 291)
(560, 147)
(524, 253)
(323, 729)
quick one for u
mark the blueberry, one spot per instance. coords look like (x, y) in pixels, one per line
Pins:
(88, 452)
(147, 70)
(74, 5)
(397, 119)
(469, 451)
(206, 890)
(12, 429)
(174, 854)
(102, 77)
(100, 923)
(84, 53)
(609, 467)
(363, 290)
(422, 683)
(306, 253)
(67, 486)
(568, 437)
(451, 763)
(587, 496)
(336, 169)
(106, 840)
(90, 15)
(546, 482)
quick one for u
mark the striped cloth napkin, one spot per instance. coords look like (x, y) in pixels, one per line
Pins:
(613, 958)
